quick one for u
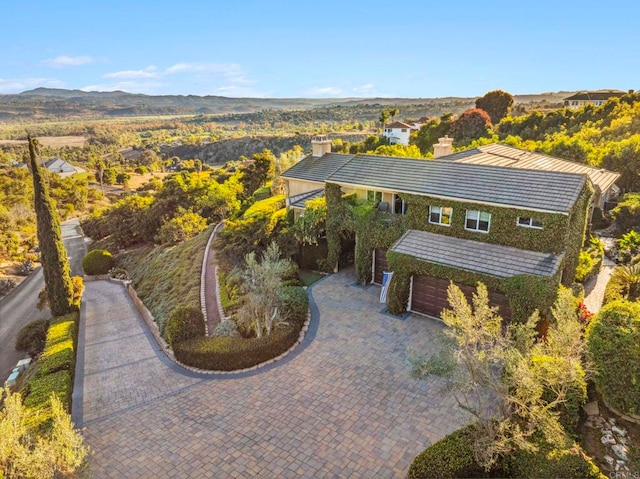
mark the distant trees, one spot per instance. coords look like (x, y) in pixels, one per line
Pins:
(55, 264)
(429, 133)
(496, 103)
(258, 172)
(472, 124)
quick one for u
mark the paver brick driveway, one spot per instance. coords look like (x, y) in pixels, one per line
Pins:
(344, 406)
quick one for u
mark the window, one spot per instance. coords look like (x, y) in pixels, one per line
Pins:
(399, 205)
(529, 222)
(477, 221)
(440, 215)
(374, 197)
(404, 130)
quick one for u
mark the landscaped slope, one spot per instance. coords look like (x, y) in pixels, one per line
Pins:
(167, 277)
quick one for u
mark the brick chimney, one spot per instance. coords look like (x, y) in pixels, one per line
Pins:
(444, 147)
(321, 144)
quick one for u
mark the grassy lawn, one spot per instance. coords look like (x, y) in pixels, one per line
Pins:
(309, 277)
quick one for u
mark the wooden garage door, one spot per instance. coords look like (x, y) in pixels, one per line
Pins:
(429, 296)
(379, 265)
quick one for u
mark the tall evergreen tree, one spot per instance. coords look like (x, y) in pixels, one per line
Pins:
(55, 264)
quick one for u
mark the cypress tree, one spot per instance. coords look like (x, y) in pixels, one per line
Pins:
(53, 255)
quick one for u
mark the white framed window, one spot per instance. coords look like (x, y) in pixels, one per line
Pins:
(478, 221)
(399, 205)
(440, 215)
(374, 197)
(404, 130)
(529, 222)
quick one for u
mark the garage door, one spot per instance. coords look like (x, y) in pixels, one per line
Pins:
(379, 264)
(429, 296)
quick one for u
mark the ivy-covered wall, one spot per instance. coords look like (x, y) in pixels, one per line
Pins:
(561, 233)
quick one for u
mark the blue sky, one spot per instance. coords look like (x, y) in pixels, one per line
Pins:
(322, 48)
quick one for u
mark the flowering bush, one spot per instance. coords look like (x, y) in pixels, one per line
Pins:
(584, 315)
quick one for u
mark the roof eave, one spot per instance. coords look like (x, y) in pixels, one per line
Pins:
(452, 198)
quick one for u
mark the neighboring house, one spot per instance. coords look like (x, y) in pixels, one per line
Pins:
(502, 155)
(519, 231)
(59, 167)
(397, 132)
(595, 98)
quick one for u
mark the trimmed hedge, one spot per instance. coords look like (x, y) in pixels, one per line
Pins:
(98, 261)
(234, 353)
(451, 457)
(53, 371)
(616, 288)
(550, 462)
(184, 322)
(613, 342)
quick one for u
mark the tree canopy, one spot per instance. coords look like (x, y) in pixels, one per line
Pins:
(496, 103)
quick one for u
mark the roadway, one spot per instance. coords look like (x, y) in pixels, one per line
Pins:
(19, 307)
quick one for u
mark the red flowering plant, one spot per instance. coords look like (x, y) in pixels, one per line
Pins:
(584, 315)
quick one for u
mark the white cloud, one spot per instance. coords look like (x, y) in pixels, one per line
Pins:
(325, 91)
(368, 90)
(148, 72)
(206, 71)
(62, 61)
(20, 85)
(146, 87)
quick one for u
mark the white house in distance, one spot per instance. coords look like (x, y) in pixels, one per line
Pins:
(397, 132)
(59, 167)
(595, 98)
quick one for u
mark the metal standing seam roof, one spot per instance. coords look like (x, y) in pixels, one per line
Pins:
(317, 168)
(512, 187)
(503, 155)
(476, 256)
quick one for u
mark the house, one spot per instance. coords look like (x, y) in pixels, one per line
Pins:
(503, 155)
(59, 167)
(596, 98)
(397, 132)
(517, 230)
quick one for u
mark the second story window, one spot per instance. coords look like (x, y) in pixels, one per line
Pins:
(374, 197)
(529, 222)
(478, 221)
(440, 215)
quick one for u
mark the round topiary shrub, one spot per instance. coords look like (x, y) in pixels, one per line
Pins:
(613, 342)
(98, 261)
(450, 457)
(184, 322)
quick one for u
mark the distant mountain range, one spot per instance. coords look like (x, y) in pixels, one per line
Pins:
(52, 103)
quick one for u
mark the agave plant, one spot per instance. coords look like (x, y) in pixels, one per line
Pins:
(630, 279)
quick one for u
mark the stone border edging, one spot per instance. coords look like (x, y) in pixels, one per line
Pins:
(152, 326)
(626, 416)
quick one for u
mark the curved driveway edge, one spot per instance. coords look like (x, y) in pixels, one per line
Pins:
(344, 405)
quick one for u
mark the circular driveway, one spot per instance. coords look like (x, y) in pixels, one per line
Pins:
(344, 406)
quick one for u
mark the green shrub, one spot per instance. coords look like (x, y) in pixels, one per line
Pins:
(262, 193)
(32, 336)
(627, 213)
(232, 354)
(41, 388)
(551, 462)
(450, 457)
(227, 328)
(590, 260)
(293, 304)
(613, 342)
(59, 351)
(265, 208)
(98, 261)
(180, 228)
(184, 322)
(616, 288)
(230, 292)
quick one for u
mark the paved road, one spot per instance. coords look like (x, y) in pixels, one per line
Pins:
(344, 406)
(19, 307)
